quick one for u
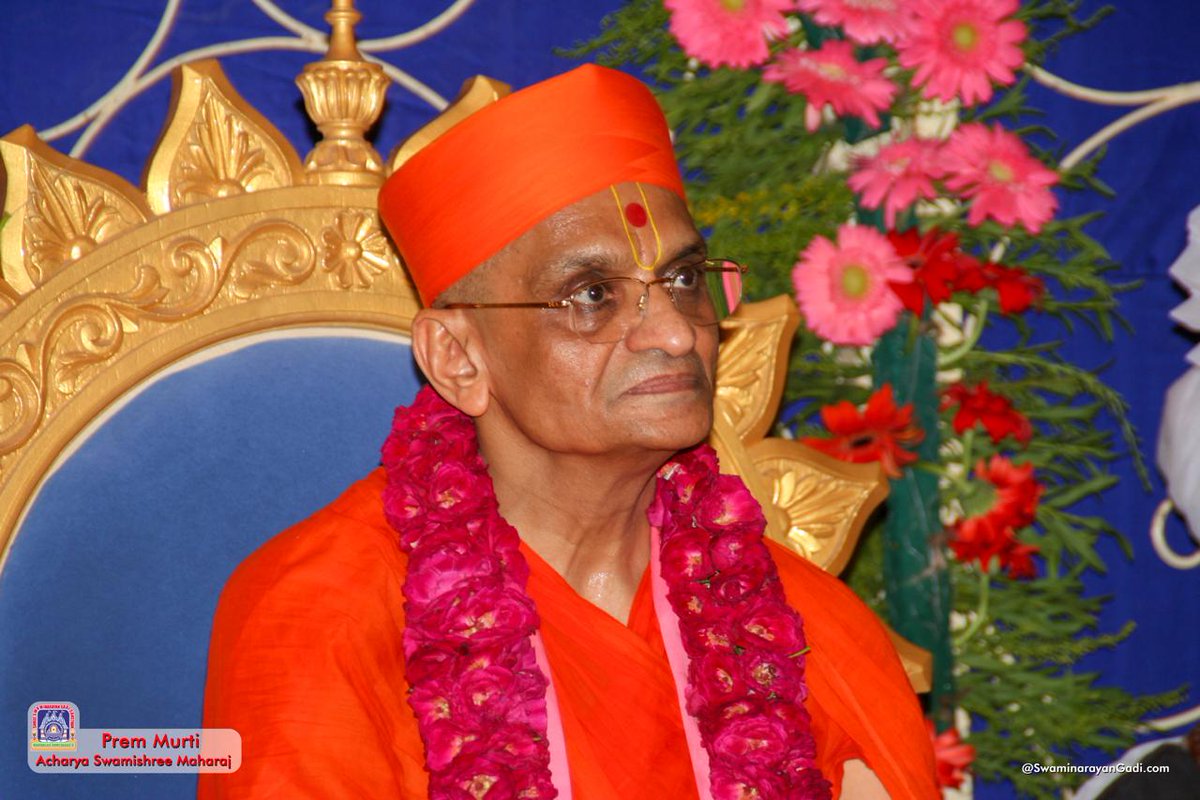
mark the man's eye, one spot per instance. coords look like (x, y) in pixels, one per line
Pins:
(592, 295)
(687, 279)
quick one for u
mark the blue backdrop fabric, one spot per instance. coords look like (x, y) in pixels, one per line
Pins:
(60, 58)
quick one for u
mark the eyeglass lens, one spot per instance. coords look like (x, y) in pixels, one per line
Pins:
(604, 311)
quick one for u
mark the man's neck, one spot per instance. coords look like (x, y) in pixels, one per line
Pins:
(584, 515)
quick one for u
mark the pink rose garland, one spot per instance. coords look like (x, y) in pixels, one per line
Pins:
(477, 692)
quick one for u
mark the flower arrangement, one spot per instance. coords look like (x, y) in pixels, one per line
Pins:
(868, 158)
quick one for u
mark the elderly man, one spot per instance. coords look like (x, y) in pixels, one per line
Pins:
(548, 589)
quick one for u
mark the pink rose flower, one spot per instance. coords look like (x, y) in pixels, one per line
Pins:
(685, 555)
(424, 664)
(747, 782)
(696, 603)
(484, 614)
(729, 503)
(755, 740)
(434, 573)
(732, 586)
(771, 673)
(452, 493)
(771, 626)
(713, 679)
(708, 636)
(444, 742)
(430, 700)
(727, 550)
(515, 742)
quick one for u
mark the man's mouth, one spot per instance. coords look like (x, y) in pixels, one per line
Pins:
(668, 384)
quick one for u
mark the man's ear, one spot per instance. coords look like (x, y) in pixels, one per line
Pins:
(448, 350)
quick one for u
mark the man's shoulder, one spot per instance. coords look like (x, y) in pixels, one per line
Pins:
(347, 551)
(829, 608)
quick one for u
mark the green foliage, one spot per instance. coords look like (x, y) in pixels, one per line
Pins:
(761, 187)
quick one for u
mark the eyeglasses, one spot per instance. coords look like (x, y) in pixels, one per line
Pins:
(604, 311)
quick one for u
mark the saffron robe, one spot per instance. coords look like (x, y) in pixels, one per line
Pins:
(306, 662)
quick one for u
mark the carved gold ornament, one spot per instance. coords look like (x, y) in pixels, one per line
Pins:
(102, 285)
(815, 505)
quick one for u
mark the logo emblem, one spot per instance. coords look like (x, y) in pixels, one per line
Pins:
(52, 726)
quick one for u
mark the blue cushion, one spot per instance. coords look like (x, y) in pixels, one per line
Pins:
(108, 594)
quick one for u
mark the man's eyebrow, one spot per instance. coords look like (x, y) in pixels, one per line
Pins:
(555, 274)
(696, 247)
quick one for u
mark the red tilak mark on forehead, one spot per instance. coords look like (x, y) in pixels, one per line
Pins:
(636, 214)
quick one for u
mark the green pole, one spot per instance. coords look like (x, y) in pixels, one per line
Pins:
(915, 576)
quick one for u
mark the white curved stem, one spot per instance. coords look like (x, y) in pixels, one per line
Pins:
(1103, 96)
(418, 34)
(148, 53)
(143, 83)
(1129, 120)
(1174, 721)
(288, 22)
(1158, 538)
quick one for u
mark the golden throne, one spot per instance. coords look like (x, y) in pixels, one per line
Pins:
(106, 290)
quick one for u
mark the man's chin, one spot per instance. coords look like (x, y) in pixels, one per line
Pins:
(675, 434)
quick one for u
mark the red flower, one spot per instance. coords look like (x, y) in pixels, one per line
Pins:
(1018, 290)
(996, 412)
(953, 757)
(880, 433)
(940, 268)
(992, 535)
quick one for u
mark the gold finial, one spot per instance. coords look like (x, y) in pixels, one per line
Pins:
(344, 96)
(342, 18)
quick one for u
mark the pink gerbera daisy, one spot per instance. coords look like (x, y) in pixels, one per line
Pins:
(732, 32)
(994, 169)
(897, 176)
(831, 75)
(864, 21)
(842, 288)
(958, 47)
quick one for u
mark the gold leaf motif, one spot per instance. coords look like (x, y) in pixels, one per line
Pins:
(215, 145)
(354, 249)
(61, 209)
(20, 405)
(8, 297)
(90, 332)
(271, 254)
(826, 502)
(192, 277)
(219, 160)
(752, 363)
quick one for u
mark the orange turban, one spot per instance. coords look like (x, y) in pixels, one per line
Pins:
(506, 167)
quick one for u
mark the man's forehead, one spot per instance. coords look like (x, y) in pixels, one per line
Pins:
(596, 233)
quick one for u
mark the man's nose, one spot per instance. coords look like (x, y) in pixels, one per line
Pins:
(661, 326)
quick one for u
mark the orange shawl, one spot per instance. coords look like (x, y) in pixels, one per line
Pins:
(306, 662)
